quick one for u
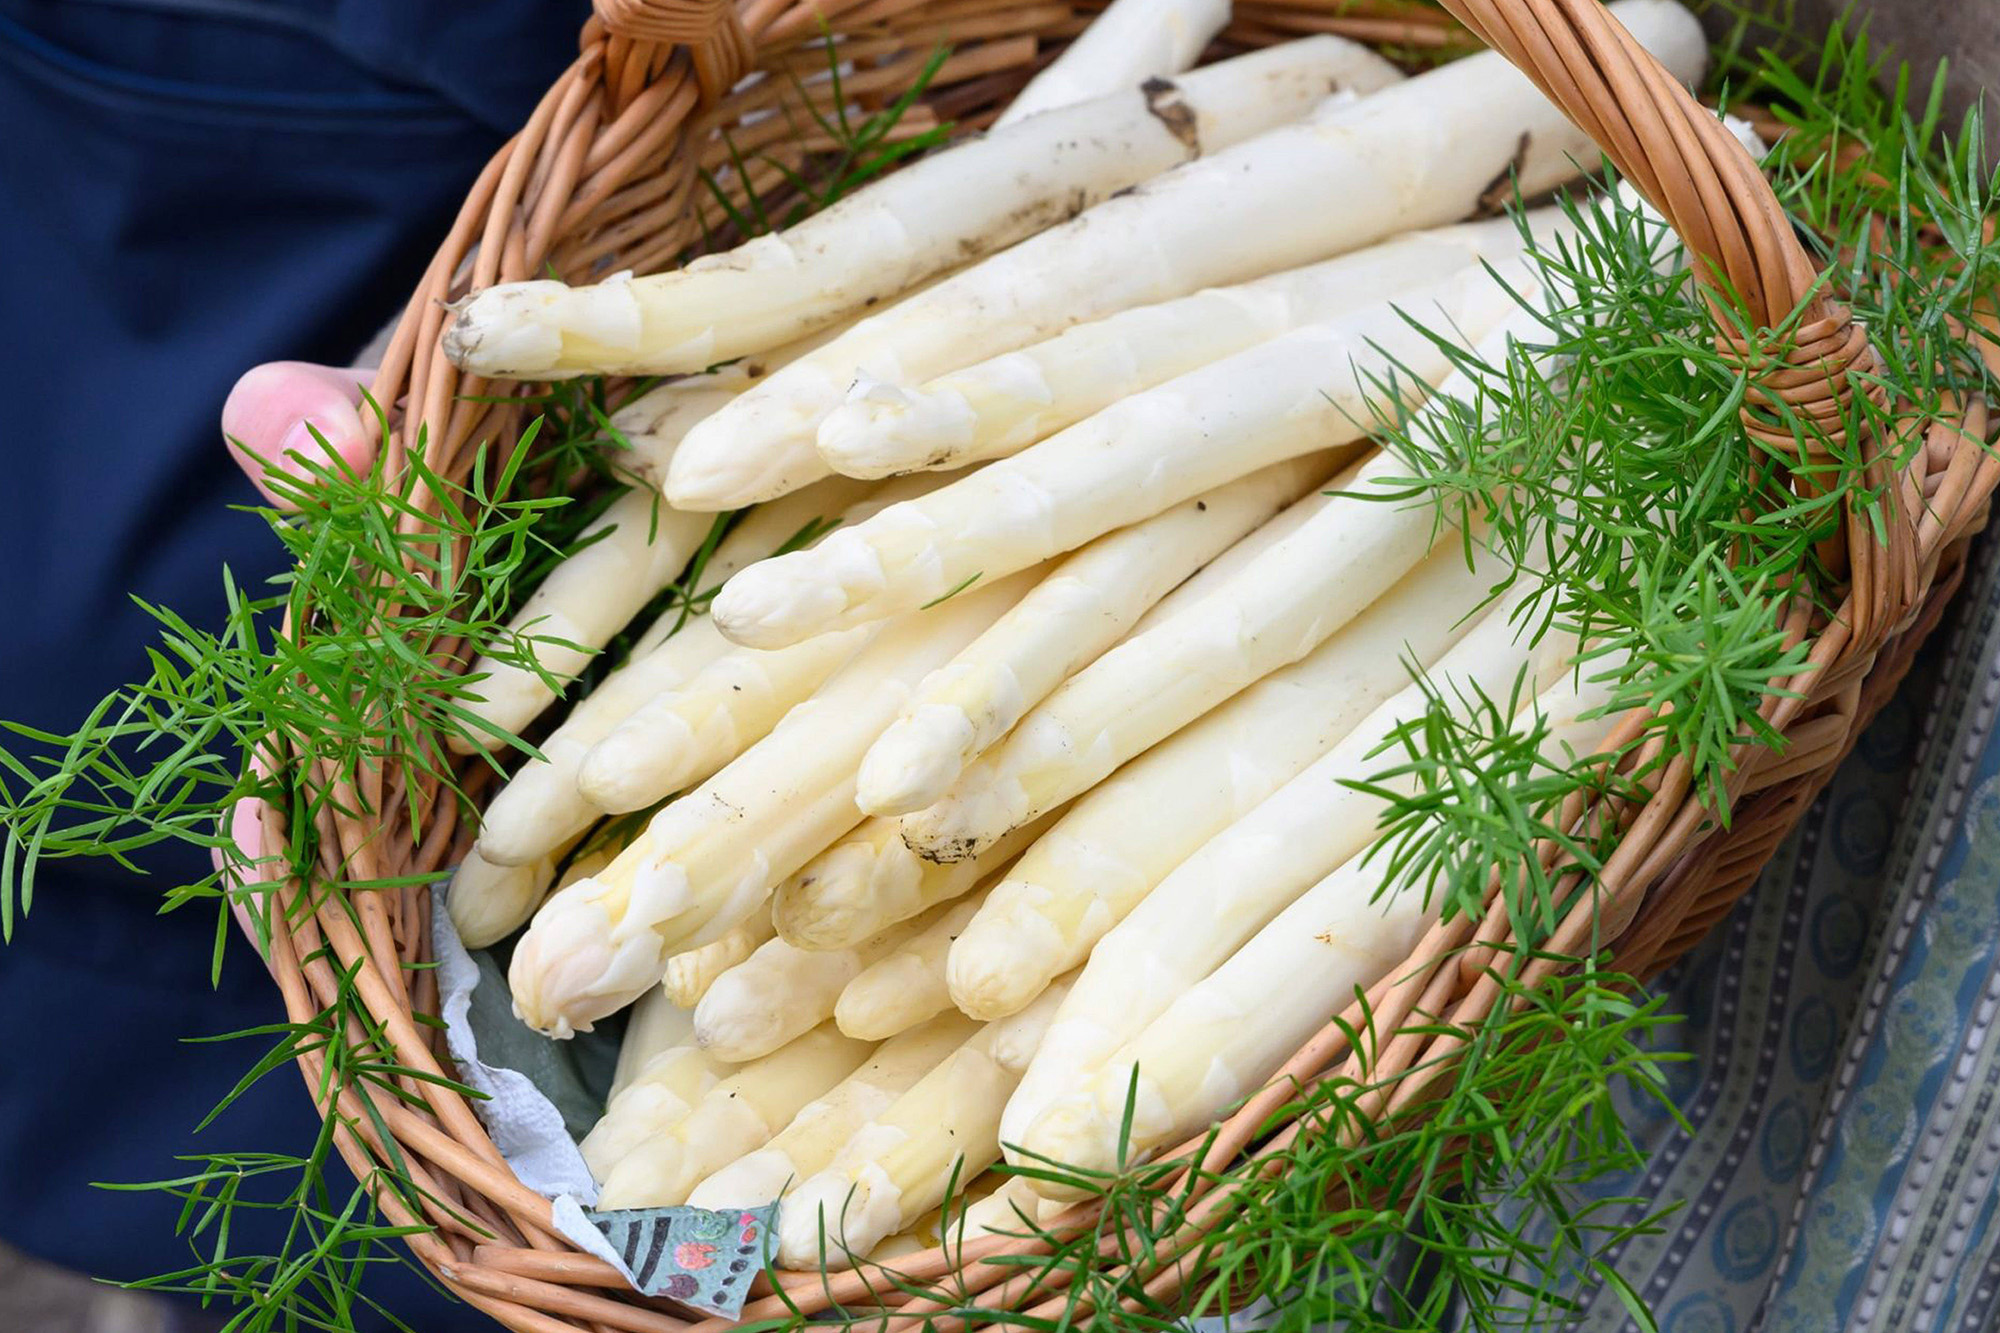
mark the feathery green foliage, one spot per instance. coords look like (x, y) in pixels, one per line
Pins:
(1606, 452)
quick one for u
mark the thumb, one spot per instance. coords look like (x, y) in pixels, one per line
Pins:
(275, 410)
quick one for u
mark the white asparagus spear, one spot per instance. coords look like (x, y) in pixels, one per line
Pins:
(992, 1205)
(900, 1165)
(709, 859)
(637, 547)
(1078, 612)
(1222, 1036)
(1276, 608)
(1009, 1210)
(1119, 841)
(489, 902)
(823, 1126)
(981, 195)
(541, 806)
(907, 986)
(587, 863)
(671, 626)
(654, 422)
(872, 880)
(655, 1025)
(781, 990)
(1230, 885)
(935, 1228)
(1129, 42)
(691, 972)
(1310, 826)
(738, 1115)
(684, 736)
(661, 1093)
(1002, 405)
(1420, 153)
(1217, 572)
(918, 1237)
(1303, 967)
(1312, 389)
(1152, 685)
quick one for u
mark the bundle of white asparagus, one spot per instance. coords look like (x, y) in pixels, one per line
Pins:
(1032, 780)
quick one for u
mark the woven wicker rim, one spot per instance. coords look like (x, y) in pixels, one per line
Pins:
(605, 175)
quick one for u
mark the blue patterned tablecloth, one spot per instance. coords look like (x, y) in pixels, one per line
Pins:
(1845, 1100)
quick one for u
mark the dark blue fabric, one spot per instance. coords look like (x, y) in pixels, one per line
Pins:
(186, 188)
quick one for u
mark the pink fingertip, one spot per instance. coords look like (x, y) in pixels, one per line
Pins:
(280, 412)
(246, 828)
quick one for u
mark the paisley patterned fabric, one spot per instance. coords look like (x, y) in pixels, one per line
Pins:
(1844, 1103)
(704, 1259)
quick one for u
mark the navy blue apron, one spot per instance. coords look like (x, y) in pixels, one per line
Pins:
(187, 187)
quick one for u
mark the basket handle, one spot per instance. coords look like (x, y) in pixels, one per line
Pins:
(711, 30)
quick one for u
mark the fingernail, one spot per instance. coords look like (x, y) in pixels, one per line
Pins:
(299, 440)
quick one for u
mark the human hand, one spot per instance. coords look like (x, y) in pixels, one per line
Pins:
(239, 862)
(278, 413)
(281, 411)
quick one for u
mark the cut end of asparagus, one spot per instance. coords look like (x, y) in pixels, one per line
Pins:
(518, 330)
(884, 430)
(915, 761)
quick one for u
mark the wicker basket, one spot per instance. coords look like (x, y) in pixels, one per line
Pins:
(606, 175)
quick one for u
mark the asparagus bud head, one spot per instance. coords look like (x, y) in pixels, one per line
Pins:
(593, 948)
(917, 758)
(1003, 958)
(784, 597)
(882, 427)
